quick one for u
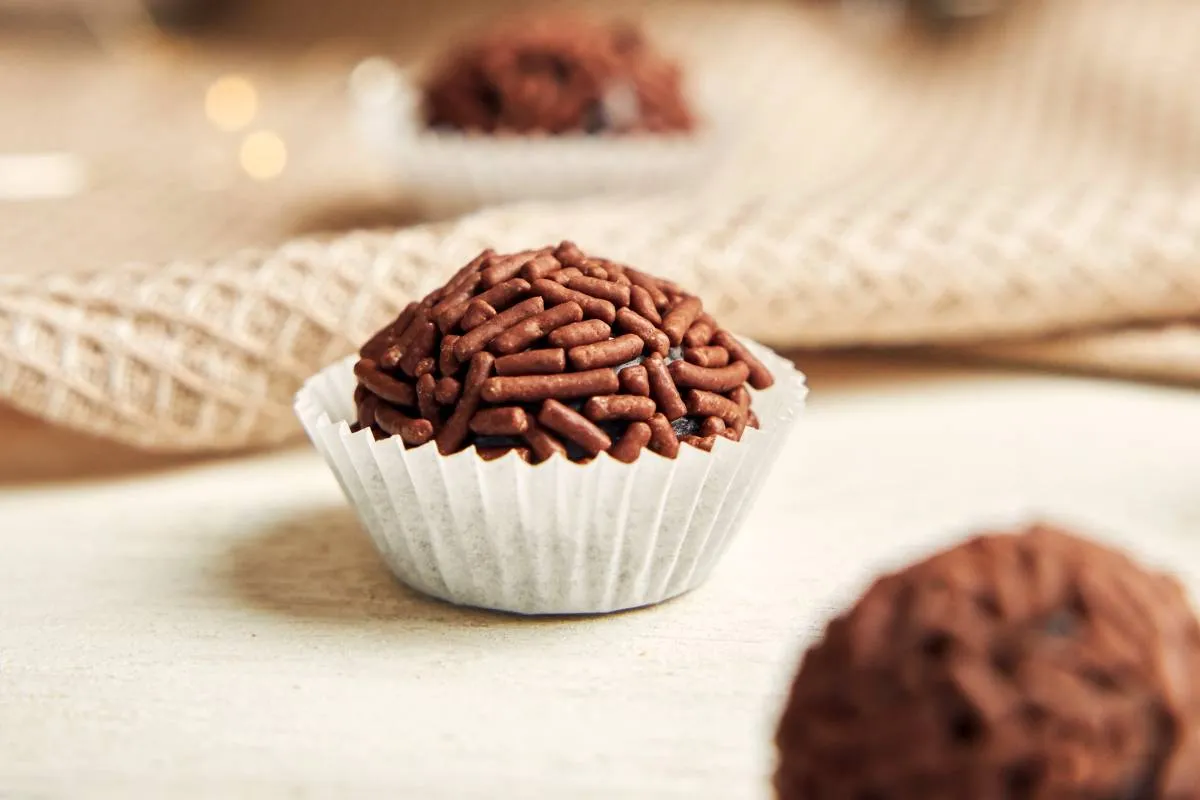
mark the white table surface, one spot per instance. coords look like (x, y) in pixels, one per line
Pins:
(225, 630)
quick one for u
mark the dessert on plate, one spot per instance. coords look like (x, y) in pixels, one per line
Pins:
(549, 107)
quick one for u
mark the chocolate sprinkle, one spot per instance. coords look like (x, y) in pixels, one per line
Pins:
(541, 375)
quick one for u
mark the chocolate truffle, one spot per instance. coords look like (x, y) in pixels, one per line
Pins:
(553, 351)
(555, 76)
(1028, 665)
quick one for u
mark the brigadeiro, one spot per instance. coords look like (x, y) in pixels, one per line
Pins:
(549, 352)
(557, 75)
(553, 432)
(1034, 664)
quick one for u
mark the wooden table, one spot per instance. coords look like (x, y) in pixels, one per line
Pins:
(223, 629)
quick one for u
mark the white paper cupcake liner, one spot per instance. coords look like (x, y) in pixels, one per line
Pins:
(555, 537)
(451, 173)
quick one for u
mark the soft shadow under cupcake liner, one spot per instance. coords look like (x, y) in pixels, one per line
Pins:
(556, 537)
(447, 172)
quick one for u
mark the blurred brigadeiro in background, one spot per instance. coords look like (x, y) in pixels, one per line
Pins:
(556, 74)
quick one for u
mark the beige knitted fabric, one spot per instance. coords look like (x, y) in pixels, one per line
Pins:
(1036, 178)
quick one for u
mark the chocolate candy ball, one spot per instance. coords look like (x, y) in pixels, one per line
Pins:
(552, 352)
(555, 76)
(1029, 665)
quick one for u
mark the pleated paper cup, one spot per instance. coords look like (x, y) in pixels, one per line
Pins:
(447, 172)
(556, 537)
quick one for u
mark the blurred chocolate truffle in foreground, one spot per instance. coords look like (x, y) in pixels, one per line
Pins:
(557, 75)
(1029, 665)
(553, 352)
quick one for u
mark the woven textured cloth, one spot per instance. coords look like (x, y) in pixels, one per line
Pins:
(1039, 177)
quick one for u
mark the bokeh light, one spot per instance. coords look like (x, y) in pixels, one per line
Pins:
(231, 102)
(263, 155)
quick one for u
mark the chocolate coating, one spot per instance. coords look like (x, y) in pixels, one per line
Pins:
(556, 75)
(543, 371)
(1032, 665)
